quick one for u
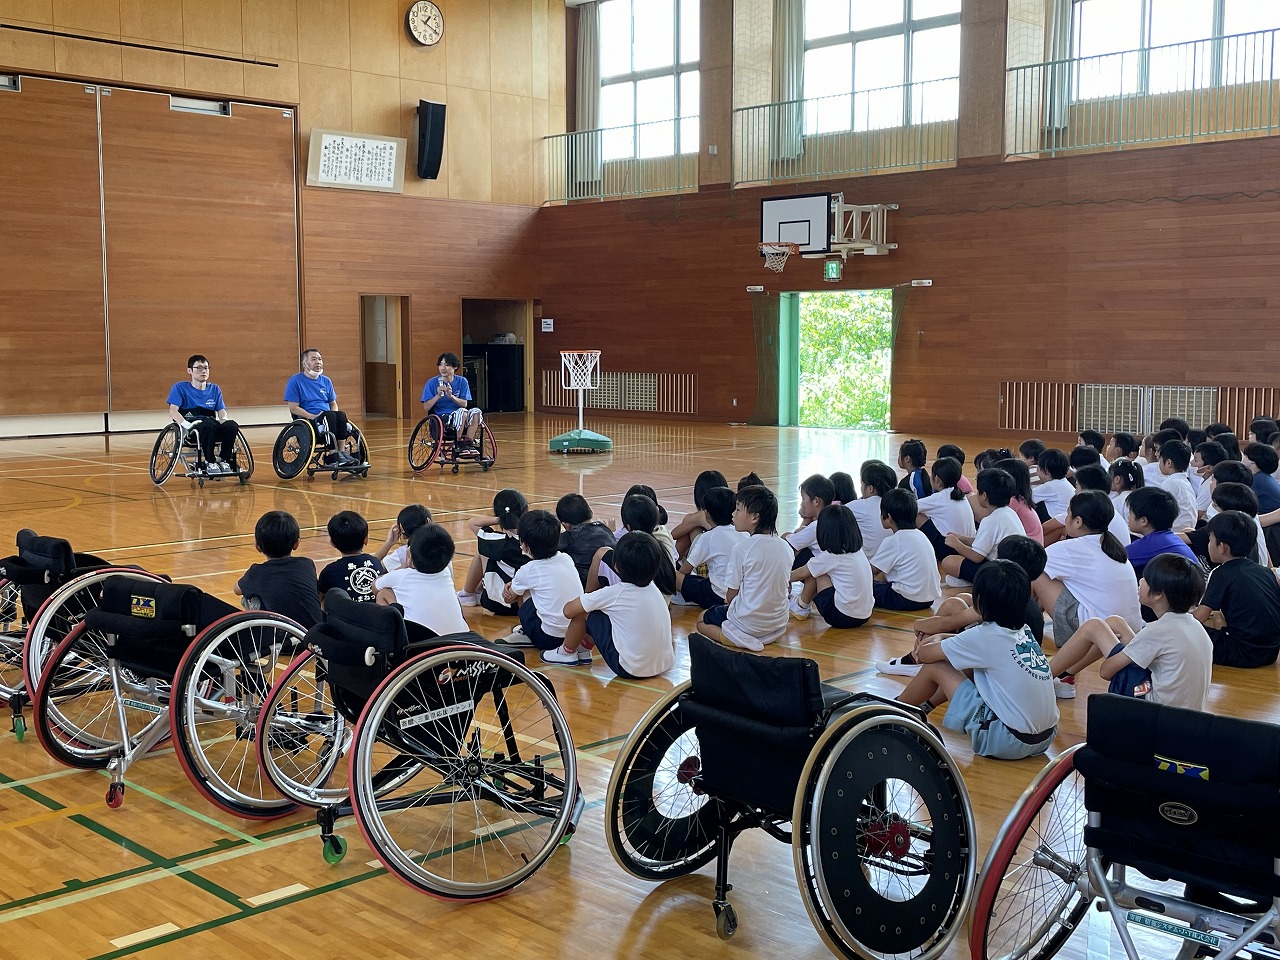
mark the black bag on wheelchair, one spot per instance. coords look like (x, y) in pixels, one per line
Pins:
(1183, 795)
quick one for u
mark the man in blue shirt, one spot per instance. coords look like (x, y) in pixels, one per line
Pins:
(449, 397)
(200, 403)
(311, 396)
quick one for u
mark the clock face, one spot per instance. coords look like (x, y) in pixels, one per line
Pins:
(425, 22)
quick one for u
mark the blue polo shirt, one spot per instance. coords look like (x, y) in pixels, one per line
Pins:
(446, 405)
(313, 396)
(1145, 549)
(187, 398)
(1268, 491)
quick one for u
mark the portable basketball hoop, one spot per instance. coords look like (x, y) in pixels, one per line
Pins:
(580, 370)
(776, 254)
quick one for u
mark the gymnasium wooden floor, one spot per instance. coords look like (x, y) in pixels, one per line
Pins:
(168, 876)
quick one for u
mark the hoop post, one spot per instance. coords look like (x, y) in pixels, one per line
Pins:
(580, 371)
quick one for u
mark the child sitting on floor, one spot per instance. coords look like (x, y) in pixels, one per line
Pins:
(1241, 605)
(715, 549)
(837, 579)
(355, 571)
(498, 554)
(284, 584)
(911, 458)
(905, 568)
(694, 524)
(995, 489)
(542, 587)
(394, 551)
(816, 493)
(947, 509)
(582, 535)
(425, 588)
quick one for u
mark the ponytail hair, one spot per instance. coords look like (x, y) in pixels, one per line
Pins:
(947, 471)
(1129, 473)
(1093, 508)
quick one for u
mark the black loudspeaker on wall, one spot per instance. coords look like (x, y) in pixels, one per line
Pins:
(430, 138)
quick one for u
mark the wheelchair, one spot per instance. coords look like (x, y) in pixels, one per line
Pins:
(432, 441)
(45, 589)
(1156, 797)
(179, 443)
(157, 660)
(301, 447)
(875, 810)
(462, 771)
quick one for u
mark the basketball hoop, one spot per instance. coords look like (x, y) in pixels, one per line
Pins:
(776, 254)
(580, 370)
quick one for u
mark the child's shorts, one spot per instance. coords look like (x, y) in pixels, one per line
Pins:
(698, 590)
(1231, 651)
(969, 568)
(939, 542)
(717, 615)
(532, 625)
(600, 627)
(825, 601)
(968, 712)
(888, 598)
(802, 557)
(1066, 617)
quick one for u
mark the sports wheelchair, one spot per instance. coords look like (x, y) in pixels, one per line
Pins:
(876, 812)
(179, 443)
(156, 660)
(1174, 796)
(45, 589)
(300, 446)
(462, 774)
(435, 441)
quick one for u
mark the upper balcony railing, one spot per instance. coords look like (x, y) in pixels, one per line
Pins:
(643, 158)
(906, 127)
(1220, 88)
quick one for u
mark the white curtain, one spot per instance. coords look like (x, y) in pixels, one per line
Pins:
(1058, 78)
(586, 151)
(788, 79)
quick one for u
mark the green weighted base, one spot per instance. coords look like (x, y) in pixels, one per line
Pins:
(586, 440)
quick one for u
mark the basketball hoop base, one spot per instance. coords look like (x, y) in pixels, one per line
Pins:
(586, 441)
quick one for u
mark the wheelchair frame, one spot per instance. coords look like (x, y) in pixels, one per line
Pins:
(661, 823)
(298, 448)
(431, 443)
(176, 444)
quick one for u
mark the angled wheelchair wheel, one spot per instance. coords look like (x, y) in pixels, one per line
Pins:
(302, 737)
(1028, 903)
(65, 608)
(244, 457)
(218, 691)
(490, 780)
(77, 715)
(12, 634)
(658, 822)
(486, 447)
(425, 442)
(883, 838)
(164, 453)
(293, 449)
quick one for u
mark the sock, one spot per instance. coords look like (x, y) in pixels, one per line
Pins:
(926, 707)
(1066, 676)
(907, 659)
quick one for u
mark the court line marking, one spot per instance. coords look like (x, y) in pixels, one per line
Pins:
(149, 934)
(272, 895)
(194, 814)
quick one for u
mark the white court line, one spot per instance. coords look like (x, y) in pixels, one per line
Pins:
(273, 895)
(121, 942)
(493, 828)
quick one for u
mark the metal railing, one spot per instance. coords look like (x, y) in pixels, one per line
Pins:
(1219, 88)
(905, 127)
(643, 158)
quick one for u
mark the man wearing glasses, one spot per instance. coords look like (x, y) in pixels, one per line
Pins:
(199, 403)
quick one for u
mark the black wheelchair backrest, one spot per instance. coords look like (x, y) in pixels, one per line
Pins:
(40, 560)
(148, 607)
(786, 691)
(1184, 795)
(351, 628)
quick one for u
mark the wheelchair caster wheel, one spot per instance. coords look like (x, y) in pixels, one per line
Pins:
(455, 468)
(19, 728)
(335, 848)
(726, 921)
(115, 796)
(485, 467)
(200, 482)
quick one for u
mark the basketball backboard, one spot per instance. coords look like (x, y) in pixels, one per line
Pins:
(804, 219)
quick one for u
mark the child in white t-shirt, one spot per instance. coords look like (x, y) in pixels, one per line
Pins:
(996, 488)
(877, 479)
(498, 555)
(713, 548)
(905, 567)
(626, 621)
(816, 492)
(394, 552)
(694, 524)
(947, 509)
(1175, 458)
(543, 586)
(425, 588)
(1054, 492)
(1173, 656)
(759, 579)
(640, 512)
(994, 674)
(836, 579)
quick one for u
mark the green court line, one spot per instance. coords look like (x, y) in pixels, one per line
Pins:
(601, 743)
(194, 814)
(8, 784)
(47, 802)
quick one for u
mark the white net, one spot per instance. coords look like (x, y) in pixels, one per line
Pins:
(579, 369)
(776, 254)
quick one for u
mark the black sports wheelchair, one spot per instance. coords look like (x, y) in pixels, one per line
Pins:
(308, 445)
(434, 441)
(179, 443)
(462, 773)
(158, 660)
(876, 812)
(46, 588)
(1169, 819)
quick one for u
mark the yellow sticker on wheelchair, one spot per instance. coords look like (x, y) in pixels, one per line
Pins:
(142, 607)
(1168, 765)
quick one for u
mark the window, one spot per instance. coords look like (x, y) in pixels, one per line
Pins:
(871, 65)
(649, 77)
(1160, 46)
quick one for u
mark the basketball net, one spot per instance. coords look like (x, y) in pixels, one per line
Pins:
(776, 254)
(580, 370)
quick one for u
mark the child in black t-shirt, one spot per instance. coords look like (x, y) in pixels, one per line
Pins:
(582, 535)
(1241, 605)
(355, 571)
(284, 584)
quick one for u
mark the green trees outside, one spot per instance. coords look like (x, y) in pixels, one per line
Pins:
(846, 347)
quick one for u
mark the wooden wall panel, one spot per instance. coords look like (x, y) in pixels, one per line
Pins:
(52, 338)
(436, 252)
(201, 248)
(1155, 266)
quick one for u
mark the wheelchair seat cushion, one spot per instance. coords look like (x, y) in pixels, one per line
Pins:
(1184, 795)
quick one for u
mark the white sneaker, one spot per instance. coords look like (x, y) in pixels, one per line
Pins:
(897, 668)
(468, 599)
(1048, 631)
(562, 656)
(801, 611)
(584, 656)
(679, 601)
(1063, 690)
(515, 638)
(951, 581)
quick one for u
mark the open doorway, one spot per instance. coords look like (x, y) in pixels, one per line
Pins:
(496, 356)
(384, 325)
(841, 347)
